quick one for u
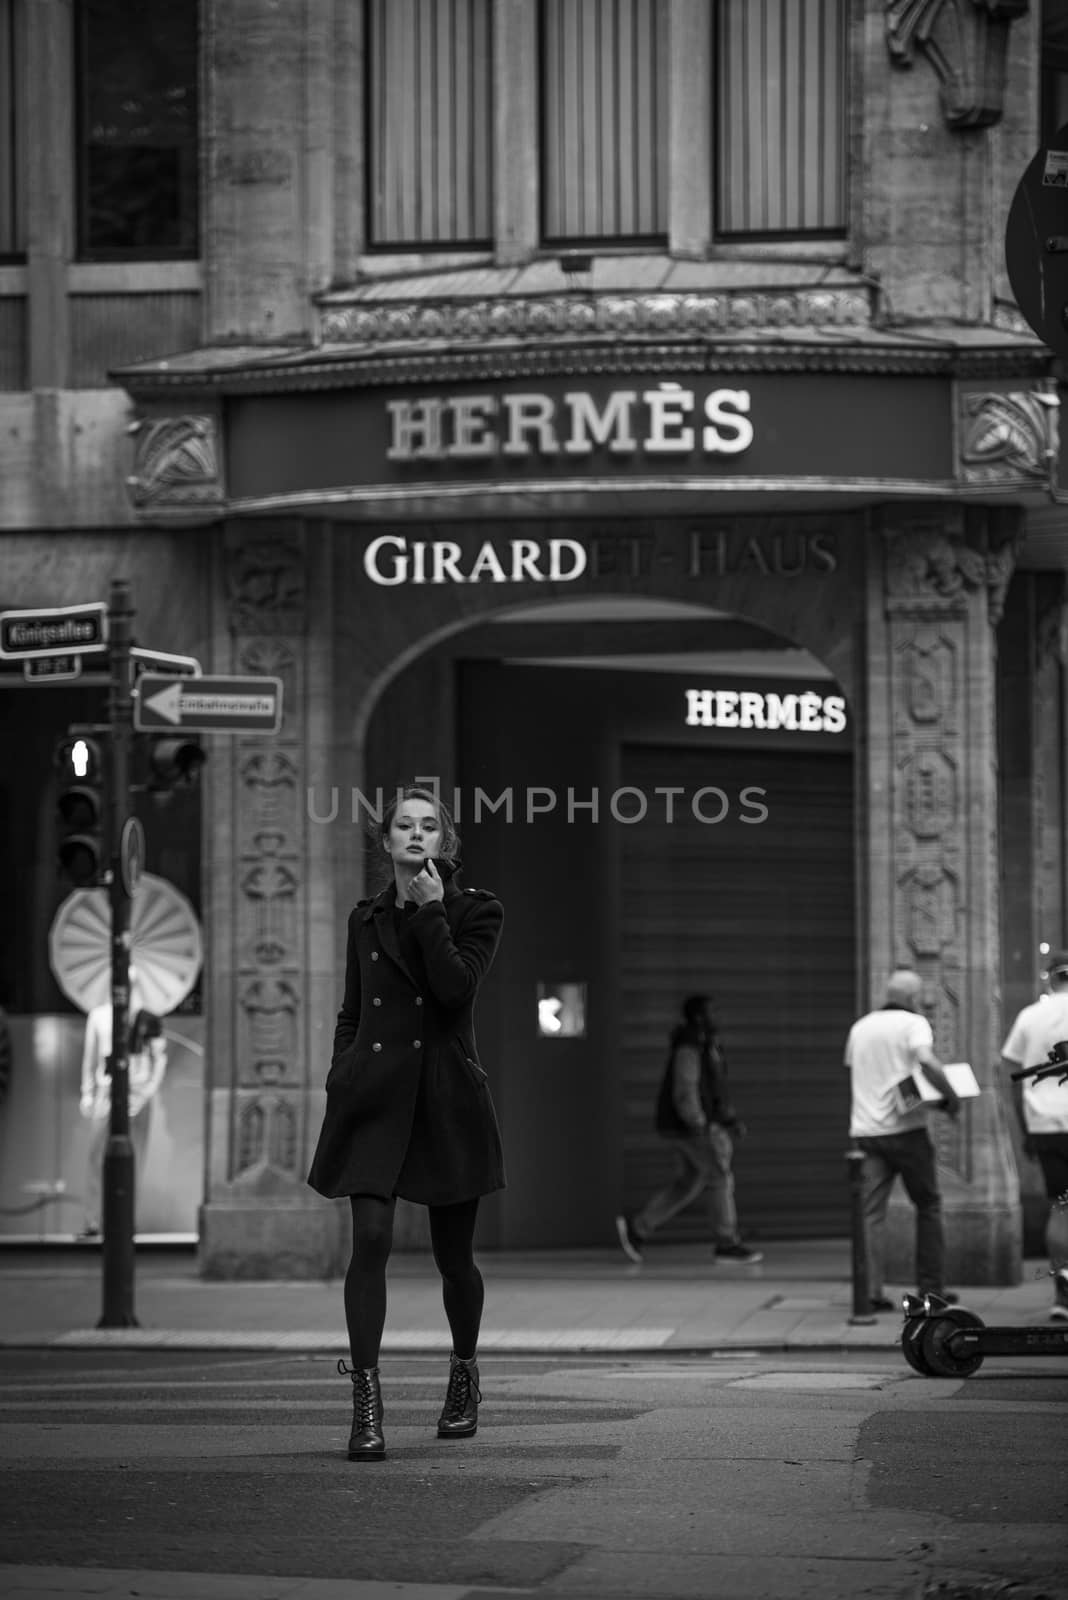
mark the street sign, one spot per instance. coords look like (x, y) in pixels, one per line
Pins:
(142, 661)
(53, 631)
(1036, 244)
(44, 669)
(209, 704)
(131, 853)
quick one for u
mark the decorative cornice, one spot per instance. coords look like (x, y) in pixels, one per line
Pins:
(965, 41)
(316, 369)
(1008, 439)
(176, 465)
(370, 323)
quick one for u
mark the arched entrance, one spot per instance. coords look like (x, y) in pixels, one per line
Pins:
(662, 793)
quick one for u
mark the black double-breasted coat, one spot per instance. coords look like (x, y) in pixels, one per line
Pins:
(408, 1104)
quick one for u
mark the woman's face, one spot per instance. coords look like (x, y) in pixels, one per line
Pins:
(414, 833)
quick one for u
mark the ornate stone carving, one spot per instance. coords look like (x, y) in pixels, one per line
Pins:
(566, 316)
(269, 775)
(270, 1005)
(271, 885)
(930, 794)
(1008, 438)
(965, 41)
(266, 1141)
(930, 571)
(176, 465)
(266, 588)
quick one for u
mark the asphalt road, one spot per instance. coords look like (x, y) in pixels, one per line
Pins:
(830, 1476)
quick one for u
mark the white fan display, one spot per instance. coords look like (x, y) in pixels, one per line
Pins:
(166, 945)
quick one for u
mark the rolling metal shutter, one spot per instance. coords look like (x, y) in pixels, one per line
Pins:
(760, 915)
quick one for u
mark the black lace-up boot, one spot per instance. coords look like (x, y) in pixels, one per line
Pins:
(459, 1417)
(366, 1442)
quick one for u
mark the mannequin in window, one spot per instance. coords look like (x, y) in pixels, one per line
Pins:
(147, 1065)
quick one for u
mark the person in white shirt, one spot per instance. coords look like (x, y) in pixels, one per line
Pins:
(883, 1048)
(1042, 1112)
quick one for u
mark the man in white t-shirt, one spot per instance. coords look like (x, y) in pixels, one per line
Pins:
(1042, 1112)
(883, 1048)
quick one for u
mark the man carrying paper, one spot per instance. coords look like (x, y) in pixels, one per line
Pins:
(1042, 1112)
(884, 1048)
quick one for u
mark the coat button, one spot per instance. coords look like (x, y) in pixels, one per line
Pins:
(416, 1043)
(376, 1045)
(376, 1001)
(374, 955)
(418, 999)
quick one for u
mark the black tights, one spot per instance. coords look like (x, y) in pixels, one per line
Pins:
(452, 1231)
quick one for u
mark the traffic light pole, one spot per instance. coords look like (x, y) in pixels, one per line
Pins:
(119, 1176)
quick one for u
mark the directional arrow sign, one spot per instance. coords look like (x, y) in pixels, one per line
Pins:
(211, 704)
(51, 632)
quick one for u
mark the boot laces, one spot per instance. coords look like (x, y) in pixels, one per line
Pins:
(363, 1394)
(461, 1384)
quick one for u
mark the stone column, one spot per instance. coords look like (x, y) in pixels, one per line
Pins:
(937, 583)
(269, 909)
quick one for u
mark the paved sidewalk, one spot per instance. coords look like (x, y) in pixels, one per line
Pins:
(798, 1298)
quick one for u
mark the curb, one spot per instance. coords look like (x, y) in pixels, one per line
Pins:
(572, 1341)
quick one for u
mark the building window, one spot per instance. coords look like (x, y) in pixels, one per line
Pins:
(780, 117)
(12, 144)
(604, 107)
(430, 116)
(1054, 69)
(137, 140)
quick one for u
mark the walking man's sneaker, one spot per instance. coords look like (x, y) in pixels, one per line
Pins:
(629, 1241)
(739, 1252)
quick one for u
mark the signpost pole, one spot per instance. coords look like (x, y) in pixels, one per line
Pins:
(119, 1176)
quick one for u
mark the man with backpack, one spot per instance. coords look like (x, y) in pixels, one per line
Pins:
(694, 1112)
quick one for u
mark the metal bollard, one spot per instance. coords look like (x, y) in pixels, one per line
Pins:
(862, 1312)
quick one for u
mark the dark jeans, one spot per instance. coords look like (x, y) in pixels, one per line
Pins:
(910, 1156)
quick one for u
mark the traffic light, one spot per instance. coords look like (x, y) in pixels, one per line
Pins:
(174, 763)
(80, 811)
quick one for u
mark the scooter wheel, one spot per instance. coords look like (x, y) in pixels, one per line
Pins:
(912, 1346)
(934, 1343)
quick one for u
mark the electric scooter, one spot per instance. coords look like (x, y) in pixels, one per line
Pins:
(944, 1341)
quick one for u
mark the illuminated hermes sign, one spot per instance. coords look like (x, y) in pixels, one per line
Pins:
(751, 708)
(666, 421)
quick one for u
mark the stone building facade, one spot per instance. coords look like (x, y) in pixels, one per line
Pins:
(348, 434)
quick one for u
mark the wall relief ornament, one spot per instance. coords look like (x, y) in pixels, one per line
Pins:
(966, 42)
(270, 1004)
(1008, 438)
(927, 569)
(930, 793)
(266, 1139)
(176, 464)
(565, 316)
(266, 588)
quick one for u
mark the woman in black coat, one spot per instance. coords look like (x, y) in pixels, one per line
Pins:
(408, 1107)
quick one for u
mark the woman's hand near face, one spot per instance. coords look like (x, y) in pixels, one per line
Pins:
(427, 885)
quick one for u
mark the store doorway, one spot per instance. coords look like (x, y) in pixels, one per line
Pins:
(756, 909)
